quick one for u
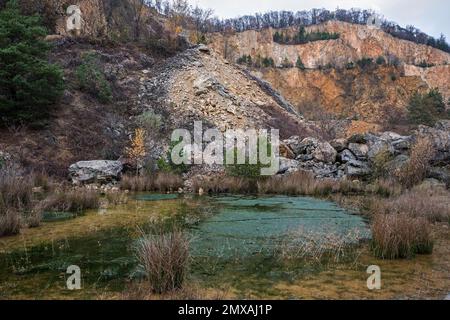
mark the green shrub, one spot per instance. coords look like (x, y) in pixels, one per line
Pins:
(287, 64)
(365, 63)
(165, 164)
(299, 64)
(427, 108)
(92, 80)
(268, 62)
(245, 59)
(302, 37)
(380, 164)
(350, 65)
(150, 121)
(246, 170)
(425, 64)
(381, 60)
(29, 85)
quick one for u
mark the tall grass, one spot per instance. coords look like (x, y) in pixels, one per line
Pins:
(298, 183)
(304, 183)
(161, 182)
(416, 169)
(226, 184)
(73, 200)
(10, 222)
(16, 199)
(165, 258)
(15, 189)
(431, 204)
(320, 248)
(399, 236)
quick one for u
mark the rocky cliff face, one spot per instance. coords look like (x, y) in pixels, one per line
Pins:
(355, 42)
(326, 84)
(367, 96)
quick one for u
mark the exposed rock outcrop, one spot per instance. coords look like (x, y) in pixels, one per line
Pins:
(355, 157)
(96, 171)
(440, 137)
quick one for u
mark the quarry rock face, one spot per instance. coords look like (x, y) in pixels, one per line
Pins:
(97, 171)
(328, 85)
(355, 42)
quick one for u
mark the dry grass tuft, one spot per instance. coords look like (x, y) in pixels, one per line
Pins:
(304, 183)
(400, 236)
(10, 222)
(432, 204)
(415, 170)
(164, 258)
(161, 182)
(226, 184)
(16, 199)
(320, 248)
(72, 200)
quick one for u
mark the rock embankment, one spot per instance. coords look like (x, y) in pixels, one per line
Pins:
(355, 157)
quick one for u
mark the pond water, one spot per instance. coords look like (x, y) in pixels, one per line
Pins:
(245, 226)
(235, 240)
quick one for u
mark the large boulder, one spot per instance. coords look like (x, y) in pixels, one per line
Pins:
(397, 163)
(287, 165)
(401, 144)
(359, 150)
(440, 139)
(313, 149)
(346, 156)
(301, 146)
(323, 170)
(357, 169)
(96, 171)
(379, 147)
(324, 152)
(441, 174)
(443, 125)
(339, 144)
(286, 151)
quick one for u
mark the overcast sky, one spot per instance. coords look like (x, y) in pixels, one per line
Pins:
(431, 16)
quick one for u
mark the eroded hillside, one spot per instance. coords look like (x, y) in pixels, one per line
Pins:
(195, 84)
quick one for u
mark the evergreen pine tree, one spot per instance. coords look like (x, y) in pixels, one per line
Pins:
(299, 64)
(29, 85)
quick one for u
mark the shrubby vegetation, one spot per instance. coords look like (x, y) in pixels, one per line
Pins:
(299, 64)
(365, 62)
(302, 37)
(91, 79)
(258, 62)
(425, 64)
(427, 108)
(165, 163)
(381, 61)
(164, 257)
(150, 121)
(398, 236)
(159, 182)
(29, 85)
